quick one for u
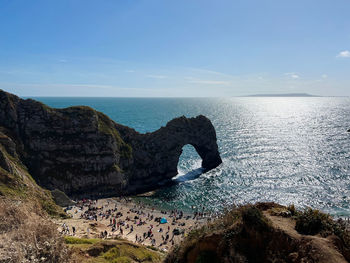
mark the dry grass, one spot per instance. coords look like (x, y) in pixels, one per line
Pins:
(28, 236)
(245, 234)
(201, 244)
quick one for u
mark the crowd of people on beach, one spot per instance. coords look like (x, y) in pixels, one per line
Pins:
(122, 218)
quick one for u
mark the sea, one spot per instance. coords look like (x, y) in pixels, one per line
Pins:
(282, 149)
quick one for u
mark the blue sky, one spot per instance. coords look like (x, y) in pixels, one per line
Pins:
(176, 48)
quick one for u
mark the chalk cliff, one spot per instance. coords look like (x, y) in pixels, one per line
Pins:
(83, 152)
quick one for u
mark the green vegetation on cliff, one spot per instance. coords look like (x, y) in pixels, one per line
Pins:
(17, 184)
(106, 126)
(83, 152)
(110, 251)
(266, 232)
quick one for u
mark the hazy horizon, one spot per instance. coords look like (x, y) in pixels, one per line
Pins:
(154, 48)
(189, 97)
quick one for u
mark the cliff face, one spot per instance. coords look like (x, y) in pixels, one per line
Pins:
(81, 151)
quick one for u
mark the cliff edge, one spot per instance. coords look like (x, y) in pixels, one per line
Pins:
(266, 232)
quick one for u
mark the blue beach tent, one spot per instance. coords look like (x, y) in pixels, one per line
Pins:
(163, 220)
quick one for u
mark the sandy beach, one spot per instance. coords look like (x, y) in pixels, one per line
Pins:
(112, 218)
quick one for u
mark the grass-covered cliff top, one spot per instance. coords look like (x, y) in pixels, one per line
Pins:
(266, 232)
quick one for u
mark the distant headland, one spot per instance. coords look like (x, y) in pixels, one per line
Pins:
(283, 95)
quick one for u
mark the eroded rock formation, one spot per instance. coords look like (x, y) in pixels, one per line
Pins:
(81, 151)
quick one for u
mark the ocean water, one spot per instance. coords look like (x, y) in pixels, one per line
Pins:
(286, 150)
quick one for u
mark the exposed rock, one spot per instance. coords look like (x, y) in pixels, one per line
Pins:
(81, 151)
(156, 154)
(61, 198)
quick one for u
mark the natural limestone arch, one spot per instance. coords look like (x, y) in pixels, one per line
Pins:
(83, 153)
(160, 151)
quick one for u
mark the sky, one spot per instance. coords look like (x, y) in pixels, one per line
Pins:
(182, 48)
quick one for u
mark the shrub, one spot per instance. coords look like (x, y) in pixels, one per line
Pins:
(292, 209)
(312, 222)
(207, 257)
(252, 216)
(27, 235)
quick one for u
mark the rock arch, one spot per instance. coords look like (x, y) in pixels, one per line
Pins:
(160, 151)
(82, 152)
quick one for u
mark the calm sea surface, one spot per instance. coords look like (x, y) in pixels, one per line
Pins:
(286, 150)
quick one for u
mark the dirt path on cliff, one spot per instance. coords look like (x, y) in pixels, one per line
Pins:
(323, 248)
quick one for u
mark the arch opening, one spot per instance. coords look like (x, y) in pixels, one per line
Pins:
(189, 166)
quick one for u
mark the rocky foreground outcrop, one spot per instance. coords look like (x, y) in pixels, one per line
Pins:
(81, 151)
(266, 232)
